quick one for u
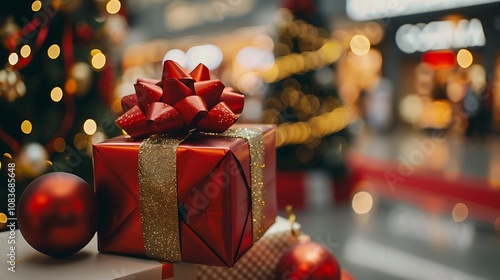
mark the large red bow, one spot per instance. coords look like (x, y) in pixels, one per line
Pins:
(179, 101)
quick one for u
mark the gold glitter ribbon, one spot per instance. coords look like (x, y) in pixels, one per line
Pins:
(256, 146)
(158, 197)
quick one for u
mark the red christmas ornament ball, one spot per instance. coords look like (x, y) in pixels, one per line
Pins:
(57, 214)
(310, 261)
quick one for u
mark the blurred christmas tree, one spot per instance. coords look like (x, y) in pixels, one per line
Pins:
(303, 100)
(57, 83)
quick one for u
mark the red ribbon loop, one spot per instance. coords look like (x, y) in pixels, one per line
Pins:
(180, 101)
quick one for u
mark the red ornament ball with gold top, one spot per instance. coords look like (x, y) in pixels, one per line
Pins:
(310, 261)
(57, 214)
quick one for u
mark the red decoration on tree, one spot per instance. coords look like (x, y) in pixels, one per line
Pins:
(310, 261)
(302, 7)
(179, 101)
(106, 83)
(84, 32)
(57, 214)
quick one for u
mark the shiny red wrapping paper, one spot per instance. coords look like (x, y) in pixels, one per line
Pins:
(215, 223)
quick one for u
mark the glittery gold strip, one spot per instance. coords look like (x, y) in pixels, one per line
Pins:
(256, 145)
(158, 198)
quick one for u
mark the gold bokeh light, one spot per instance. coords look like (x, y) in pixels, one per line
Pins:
(98, 61)
(26, 127)
(90, 127)
(3, 218)
(113, 6)
(464, 58)
(25, 51)
(54, 51)
(360, 45)
(95, 51)
(56, 94)
(36, 5)
(362, 202)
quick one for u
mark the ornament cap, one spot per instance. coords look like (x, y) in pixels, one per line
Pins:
(295, 232)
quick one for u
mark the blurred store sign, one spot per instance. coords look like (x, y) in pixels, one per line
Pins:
(372, 30)
(174, 18)
(369, 9)
(210, 55)
(440, 35)
(253, 58)
(180, 15)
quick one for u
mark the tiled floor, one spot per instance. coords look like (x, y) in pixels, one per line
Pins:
(398, 241)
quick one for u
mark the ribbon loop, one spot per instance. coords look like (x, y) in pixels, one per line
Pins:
(196, 98)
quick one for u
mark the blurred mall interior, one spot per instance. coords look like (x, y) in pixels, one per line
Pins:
(387, 112)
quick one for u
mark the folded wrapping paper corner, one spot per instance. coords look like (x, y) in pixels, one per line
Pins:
(260, 261)
(214, 223)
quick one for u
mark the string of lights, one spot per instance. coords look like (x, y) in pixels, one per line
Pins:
(316, 117)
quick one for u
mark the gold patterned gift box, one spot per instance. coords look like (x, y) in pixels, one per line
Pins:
(260, 261)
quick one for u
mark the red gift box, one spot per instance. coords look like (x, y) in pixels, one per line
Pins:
(214, 196)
